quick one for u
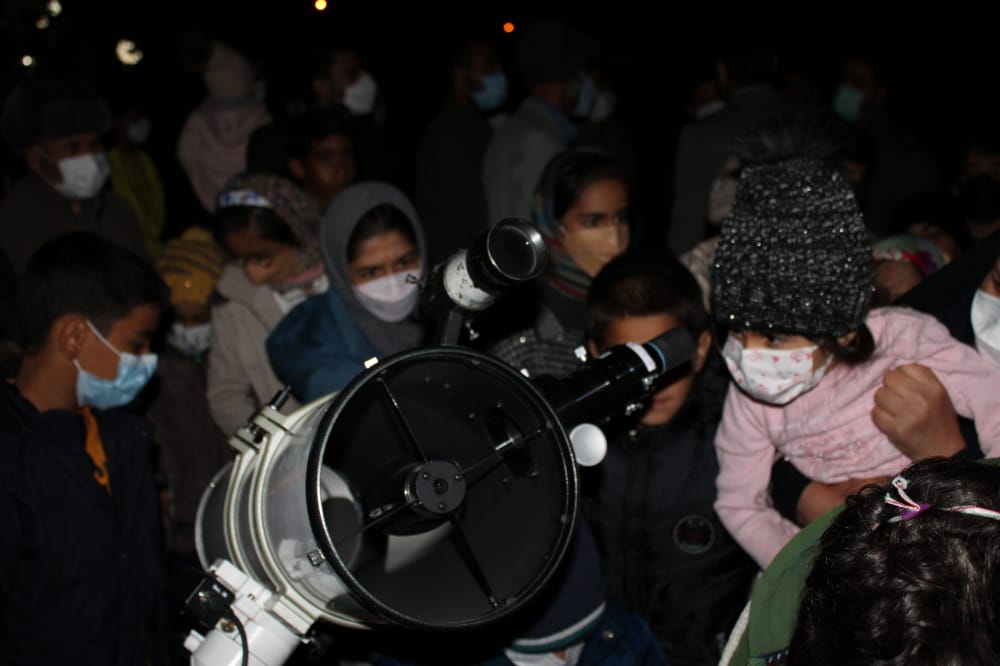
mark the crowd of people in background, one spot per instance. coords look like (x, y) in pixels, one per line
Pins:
(841, 282)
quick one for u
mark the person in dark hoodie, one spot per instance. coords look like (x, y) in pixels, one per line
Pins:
(667, 556)
(80, 560)
(374, 252)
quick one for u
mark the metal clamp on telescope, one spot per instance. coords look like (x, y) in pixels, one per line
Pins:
(511, 252)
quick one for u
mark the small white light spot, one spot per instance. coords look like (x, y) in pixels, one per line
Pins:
(127, 52)
(373, 361)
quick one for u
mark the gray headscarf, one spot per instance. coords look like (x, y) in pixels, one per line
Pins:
(343, 215)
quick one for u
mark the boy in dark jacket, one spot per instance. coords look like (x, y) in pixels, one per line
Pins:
(666, 554)
(80, 555)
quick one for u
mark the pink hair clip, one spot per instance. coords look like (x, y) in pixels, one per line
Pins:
(912, 509)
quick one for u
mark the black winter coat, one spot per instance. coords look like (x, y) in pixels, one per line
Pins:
(668, 558)
(80, 570)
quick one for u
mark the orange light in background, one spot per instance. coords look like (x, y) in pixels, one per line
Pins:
(508, 27)
(320, 5)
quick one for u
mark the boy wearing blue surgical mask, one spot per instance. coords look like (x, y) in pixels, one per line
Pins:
(77, 496)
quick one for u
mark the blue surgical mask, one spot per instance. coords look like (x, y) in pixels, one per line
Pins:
(134, 372)
(493, 94)
(847, 103)
(585, 98)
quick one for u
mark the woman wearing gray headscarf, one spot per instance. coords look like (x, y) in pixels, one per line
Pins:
(373, 248)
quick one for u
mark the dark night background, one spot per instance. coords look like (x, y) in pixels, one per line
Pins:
(940, 68)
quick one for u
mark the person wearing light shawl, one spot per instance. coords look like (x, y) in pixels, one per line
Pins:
(582, 211)
(270, 226)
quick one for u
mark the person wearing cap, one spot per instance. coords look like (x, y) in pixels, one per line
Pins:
(55, 125)
(964, 295)
(271, 228)
(193, 448)
(792, 287)
(552, 56)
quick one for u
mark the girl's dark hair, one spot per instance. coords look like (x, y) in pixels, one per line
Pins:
(633, 286)
(855, 352)
(377, 221)
(575, 171)
(922, 591)
(263, 223)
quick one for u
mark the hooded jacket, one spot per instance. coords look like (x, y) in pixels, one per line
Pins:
(323, 343)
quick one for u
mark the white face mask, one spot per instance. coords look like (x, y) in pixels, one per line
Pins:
(604, 106)
(774, 376)
(986, 325)
(359, 97)
(138, 130)
(83, 176)
(571, 658)
(192, 340)
(390, 298)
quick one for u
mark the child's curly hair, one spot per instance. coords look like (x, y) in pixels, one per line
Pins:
(922, 590)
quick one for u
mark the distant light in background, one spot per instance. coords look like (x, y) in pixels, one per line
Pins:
(43, 22)
(320, 5)
(508, 27)
(54, 7)
(127, 52)
(27, 61)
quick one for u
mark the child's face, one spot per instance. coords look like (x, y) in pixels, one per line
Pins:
(596, 229)
(328, 168)
(387, 253)
(131, 335)
(666, 402)
(753, 340)
(264, 261)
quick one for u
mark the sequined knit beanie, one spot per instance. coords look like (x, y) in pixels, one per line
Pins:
(793, 255)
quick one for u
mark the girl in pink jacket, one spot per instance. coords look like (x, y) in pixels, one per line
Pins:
(792, 287)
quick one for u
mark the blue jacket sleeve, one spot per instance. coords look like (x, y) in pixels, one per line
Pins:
(317, 347)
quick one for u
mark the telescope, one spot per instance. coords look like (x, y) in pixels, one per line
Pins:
(511, 252)
(437, 491)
